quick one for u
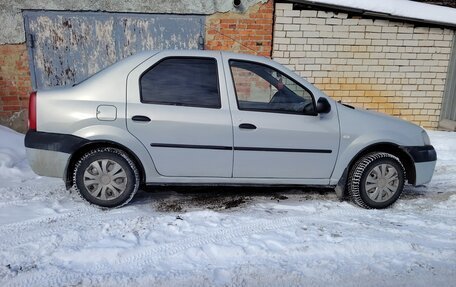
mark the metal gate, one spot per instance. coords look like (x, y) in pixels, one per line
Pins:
(449, 100)
(67, 47)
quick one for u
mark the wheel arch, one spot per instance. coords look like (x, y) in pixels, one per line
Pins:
(94, 144)
(393, 149)
(388, 147)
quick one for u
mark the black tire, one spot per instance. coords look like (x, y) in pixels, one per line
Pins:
(363, 168)
(109, 196)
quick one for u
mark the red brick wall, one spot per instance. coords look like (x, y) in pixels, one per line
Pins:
(15, 85)
(248, 32)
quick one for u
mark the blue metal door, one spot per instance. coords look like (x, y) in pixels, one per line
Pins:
(67, 47)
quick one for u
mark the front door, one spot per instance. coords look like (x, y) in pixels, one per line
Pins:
(181, 114)
(277, 133)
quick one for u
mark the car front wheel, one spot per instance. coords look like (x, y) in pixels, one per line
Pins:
(376, 180)
(106, 177)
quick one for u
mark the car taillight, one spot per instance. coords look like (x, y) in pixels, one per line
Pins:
(32, 111)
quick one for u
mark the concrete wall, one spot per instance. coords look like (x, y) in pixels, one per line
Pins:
(388, 66)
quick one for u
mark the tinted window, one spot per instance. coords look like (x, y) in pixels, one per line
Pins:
(182, 82)
(262, 88)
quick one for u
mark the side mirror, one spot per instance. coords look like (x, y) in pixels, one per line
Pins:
(323, 106)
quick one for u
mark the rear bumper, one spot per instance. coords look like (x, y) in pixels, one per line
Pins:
(424, 158)
(53, 142)
(47, 163)
(49, 153)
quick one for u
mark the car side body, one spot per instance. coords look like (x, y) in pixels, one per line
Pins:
(224, 144)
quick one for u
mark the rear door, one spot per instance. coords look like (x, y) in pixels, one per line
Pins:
(178, 108)
(277, 133)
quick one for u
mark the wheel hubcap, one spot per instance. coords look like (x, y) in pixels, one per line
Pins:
(382, 182)
(105, 179)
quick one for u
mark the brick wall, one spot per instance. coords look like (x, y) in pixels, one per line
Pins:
(389, 66)
(15, 86)
(247, 32)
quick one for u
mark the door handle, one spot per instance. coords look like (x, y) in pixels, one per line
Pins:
(140, 119)
(247, 126)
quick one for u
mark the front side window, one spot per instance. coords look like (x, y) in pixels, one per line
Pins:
(182, 82)
(262, 88)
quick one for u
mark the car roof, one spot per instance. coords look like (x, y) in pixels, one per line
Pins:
(227, 54)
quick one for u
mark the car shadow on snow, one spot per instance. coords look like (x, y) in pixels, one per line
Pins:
(181, 199)
(411, 192)
(220, 198)
(424, 191)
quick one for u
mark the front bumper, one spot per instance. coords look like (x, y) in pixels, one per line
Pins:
(424, 172)
(424, 153)
(424, 158)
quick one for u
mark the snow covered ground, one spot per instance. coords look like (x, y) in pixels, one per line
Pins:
(224, 236)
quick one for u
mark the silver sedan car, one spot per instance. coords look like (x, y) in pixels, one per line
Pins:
(210, 117)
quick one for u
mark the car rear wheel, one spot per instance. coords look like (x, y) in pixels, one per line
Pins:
(376, 180)
(106, 177)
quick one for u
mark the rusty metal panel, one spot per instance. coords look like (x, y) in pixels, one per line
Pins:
(143, 32)
(67, 47)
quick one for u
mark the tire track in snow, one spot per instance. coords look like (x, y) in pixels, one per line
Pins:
(58, 226)
(146, 256)
(43, 219)
(28, 228)
(27, 193)
(19, 201)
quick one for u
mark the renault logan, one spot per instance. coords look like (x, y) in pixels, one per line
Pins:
(210, 117)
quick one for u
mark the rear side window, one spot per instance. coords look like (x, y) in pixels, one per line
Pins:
(182, 82)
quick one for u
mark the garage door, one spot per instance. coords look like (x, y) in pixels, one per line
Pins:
(449, 100)
(67, 47)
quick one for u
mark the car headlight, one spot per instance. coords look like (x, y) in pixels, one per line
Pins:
(426, 139)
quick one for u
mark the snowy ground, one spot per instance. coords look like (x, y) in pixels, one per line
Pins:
(224, 236)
